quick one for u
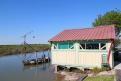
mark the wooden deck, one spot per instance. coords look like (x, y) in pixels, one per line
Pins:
(36, 61)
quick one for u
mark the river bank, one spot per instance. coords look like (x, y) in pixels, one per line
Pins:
(79, 76)
(19, 49)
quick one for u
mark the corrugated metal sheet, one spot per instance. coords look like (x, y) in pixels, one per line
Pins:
(96, 33)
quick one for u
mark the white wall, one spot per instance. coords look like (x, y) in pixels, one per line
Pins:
(79, 58)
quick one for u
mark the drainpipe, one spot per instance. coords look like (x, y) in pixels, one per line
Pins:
(109, 52)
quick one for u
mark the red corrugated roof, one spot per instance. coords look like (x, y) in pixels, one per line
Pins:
(96, 33)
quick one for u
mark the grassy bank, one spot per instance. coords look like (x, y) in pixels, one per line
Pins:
(100, 78)
(17, 49)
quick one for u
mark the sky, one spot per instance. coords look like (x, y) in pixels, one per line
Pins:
(46, 18)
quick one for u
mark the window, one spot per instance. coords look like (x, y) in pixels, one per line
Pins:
(55, 45)
(63, 45)
(92, 46)
(71, 45)
(89, 46)
(103, 46)
(82, 46)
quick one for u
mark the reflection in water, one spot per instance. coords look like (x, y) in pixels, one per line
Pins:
(12, 69)
(41, 67)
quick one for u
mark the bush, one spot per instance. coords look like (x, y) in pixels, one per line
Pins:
(77, 70)
(96, 70)
(106, 68)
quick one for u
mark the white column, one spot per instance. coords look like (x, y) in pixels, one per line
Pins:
(76, 53)
(99, 46)
(55, 69)
(52, 47)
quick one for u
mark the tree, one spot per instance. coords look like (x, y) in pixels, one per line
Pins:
(109, 18)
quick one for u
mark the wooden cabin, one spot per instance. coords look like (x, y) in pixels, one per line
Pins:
(84, 48)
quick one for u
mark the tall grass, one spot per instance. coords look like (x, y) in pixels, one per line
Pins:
(14, 49)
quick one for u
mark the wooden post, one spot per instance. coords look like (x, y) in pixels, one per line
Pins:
(55, 68)
(36, 58)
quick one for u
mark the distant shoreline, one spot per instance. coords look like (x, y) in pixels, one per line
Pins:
(6, 50)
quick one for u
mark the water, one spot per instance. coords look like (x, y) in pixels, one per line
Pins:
(12, 69)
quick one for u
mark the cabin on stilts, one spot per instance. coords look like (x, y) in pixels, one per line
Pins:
(84, 48)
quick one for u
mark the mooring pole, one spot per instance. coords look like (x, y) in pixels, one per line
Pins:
(36, 57)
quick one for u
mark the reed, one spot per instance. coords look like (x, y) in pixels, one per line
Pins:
(18, 49)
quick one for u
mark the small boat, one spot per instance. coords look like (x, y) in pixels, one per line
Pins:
(36, 61)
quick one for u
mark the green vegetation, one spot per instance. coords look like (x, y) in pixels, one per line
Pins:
(96, 70)
(109, 18)
(100, 78)
(17, 49)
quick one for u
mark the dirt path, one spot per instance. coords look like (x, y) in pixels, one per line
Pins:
(118, 74)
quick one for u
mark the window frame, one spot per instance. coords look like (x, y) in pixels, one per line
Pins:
(92, 42)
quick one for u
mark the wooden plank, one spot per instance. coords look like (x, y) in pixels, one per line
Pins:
(82, 78)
